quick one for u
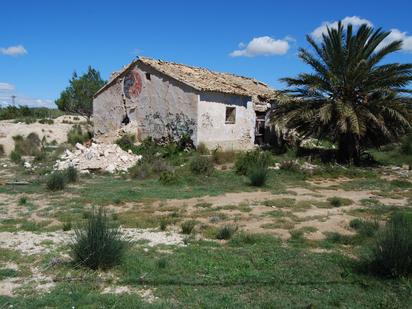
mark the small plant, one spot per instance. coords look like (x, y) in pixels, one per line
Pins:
(367, 228)
(258, 175)
(141, 170)
(201, 165)
(246, 161)
(56, 181)
(126, 142)
(336, 201)
(71, 174)
(23, 200)
(46, 121)
(76, 135)
(2, 152)
(99, 244)
(168, 178)
(406, 145)
(222, 157)
(202, 149)
(163, 224)
(188, 226)
(226, 232)
(161, 263)
(392, 252)
(67, 226)
(29, 146)
(15, 157)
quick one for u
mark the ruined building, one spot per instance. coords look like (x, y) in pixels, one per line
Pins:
(159, 99)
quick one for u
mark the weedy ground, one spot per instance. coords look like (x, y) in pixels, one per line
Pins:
(291, 243)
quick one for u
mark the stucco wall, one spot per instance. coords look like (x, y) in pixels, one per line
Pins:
(157, 107)
(108, 110)
(212, 129)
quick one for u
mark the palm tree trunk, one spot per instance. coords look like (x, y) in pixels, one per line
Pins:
(348, 149)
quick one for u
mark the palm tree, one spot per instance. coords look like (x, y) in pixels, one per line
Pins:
(349, 98)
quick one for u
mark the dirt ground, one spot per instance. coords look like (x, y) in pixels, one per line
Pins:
(56, 131)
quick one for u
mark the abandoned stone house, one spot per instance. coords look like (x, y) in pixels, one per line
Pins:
(158, 99)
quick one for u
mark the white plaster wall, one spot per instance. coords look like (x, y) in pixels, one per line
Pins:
(164, 107)
(108, 110)
(212, 129)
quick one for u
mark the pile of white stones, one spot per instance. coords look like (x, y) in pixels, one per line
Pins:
(105, 157)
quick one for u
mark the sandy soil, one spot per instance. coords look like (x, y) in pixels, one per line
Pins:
(57, 131)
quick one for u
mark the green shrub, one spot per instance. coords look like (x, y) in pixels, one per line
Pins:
(56, 181)
(406, 145)
(126, 142)
(67, 226)
(161, 263)
(201, 165)
(40, 156)
(222, 157)
(2, 152)
(76, 135)
(336, 201)
(141, 170)
(392, 252)
(246, 161)
(188, 226)
(23, 200)
(226, 232)
(13, 112)
(258, 175)
(367, 228)
(71, 174)
(168, 178)
(163, 224)
(46, 121)
(29, 146)
(160, 165)
(338, 238)
(99, 244)
(15, 157)
(202, 149)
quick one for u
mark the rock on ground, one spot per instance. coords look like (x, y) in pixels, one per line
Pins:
(106, 157)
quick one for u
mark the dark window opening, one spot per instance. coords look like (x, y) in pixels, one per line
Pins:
(230, 115)
(148, 77)
(126, 120)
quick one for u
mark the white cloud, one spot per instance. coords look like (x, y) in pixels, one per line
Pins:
(262, 46)
(395, 34)
(17, 50)
(6, 87)
(354, 20)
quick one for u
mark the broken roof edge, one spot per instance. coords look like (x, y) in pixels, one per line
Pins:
(269, 94)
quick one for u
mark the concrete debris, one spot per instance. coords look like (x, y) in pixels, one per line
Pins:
(105, 157)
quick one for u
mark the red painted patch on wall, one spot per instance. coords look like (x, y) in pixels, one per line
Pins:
(132, 84)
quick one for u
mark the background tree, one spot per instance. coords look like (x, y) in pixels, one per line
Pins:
(78, 96)
(349, 98)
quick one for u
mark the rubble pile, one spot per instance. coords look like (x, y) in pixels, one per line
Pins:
(105, 157)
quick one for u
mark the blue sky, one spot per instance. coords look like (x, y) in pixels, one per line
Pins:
(43, 42)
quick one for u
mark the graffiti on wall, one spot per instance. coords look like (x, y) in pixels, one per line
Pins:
(132, 84)
(171, 126)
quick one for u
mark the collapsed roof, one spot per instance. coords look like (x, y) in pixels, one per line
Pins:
(205, 80)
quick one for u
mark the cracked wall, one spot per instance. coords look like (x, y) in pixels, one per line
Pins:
(156, 105)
